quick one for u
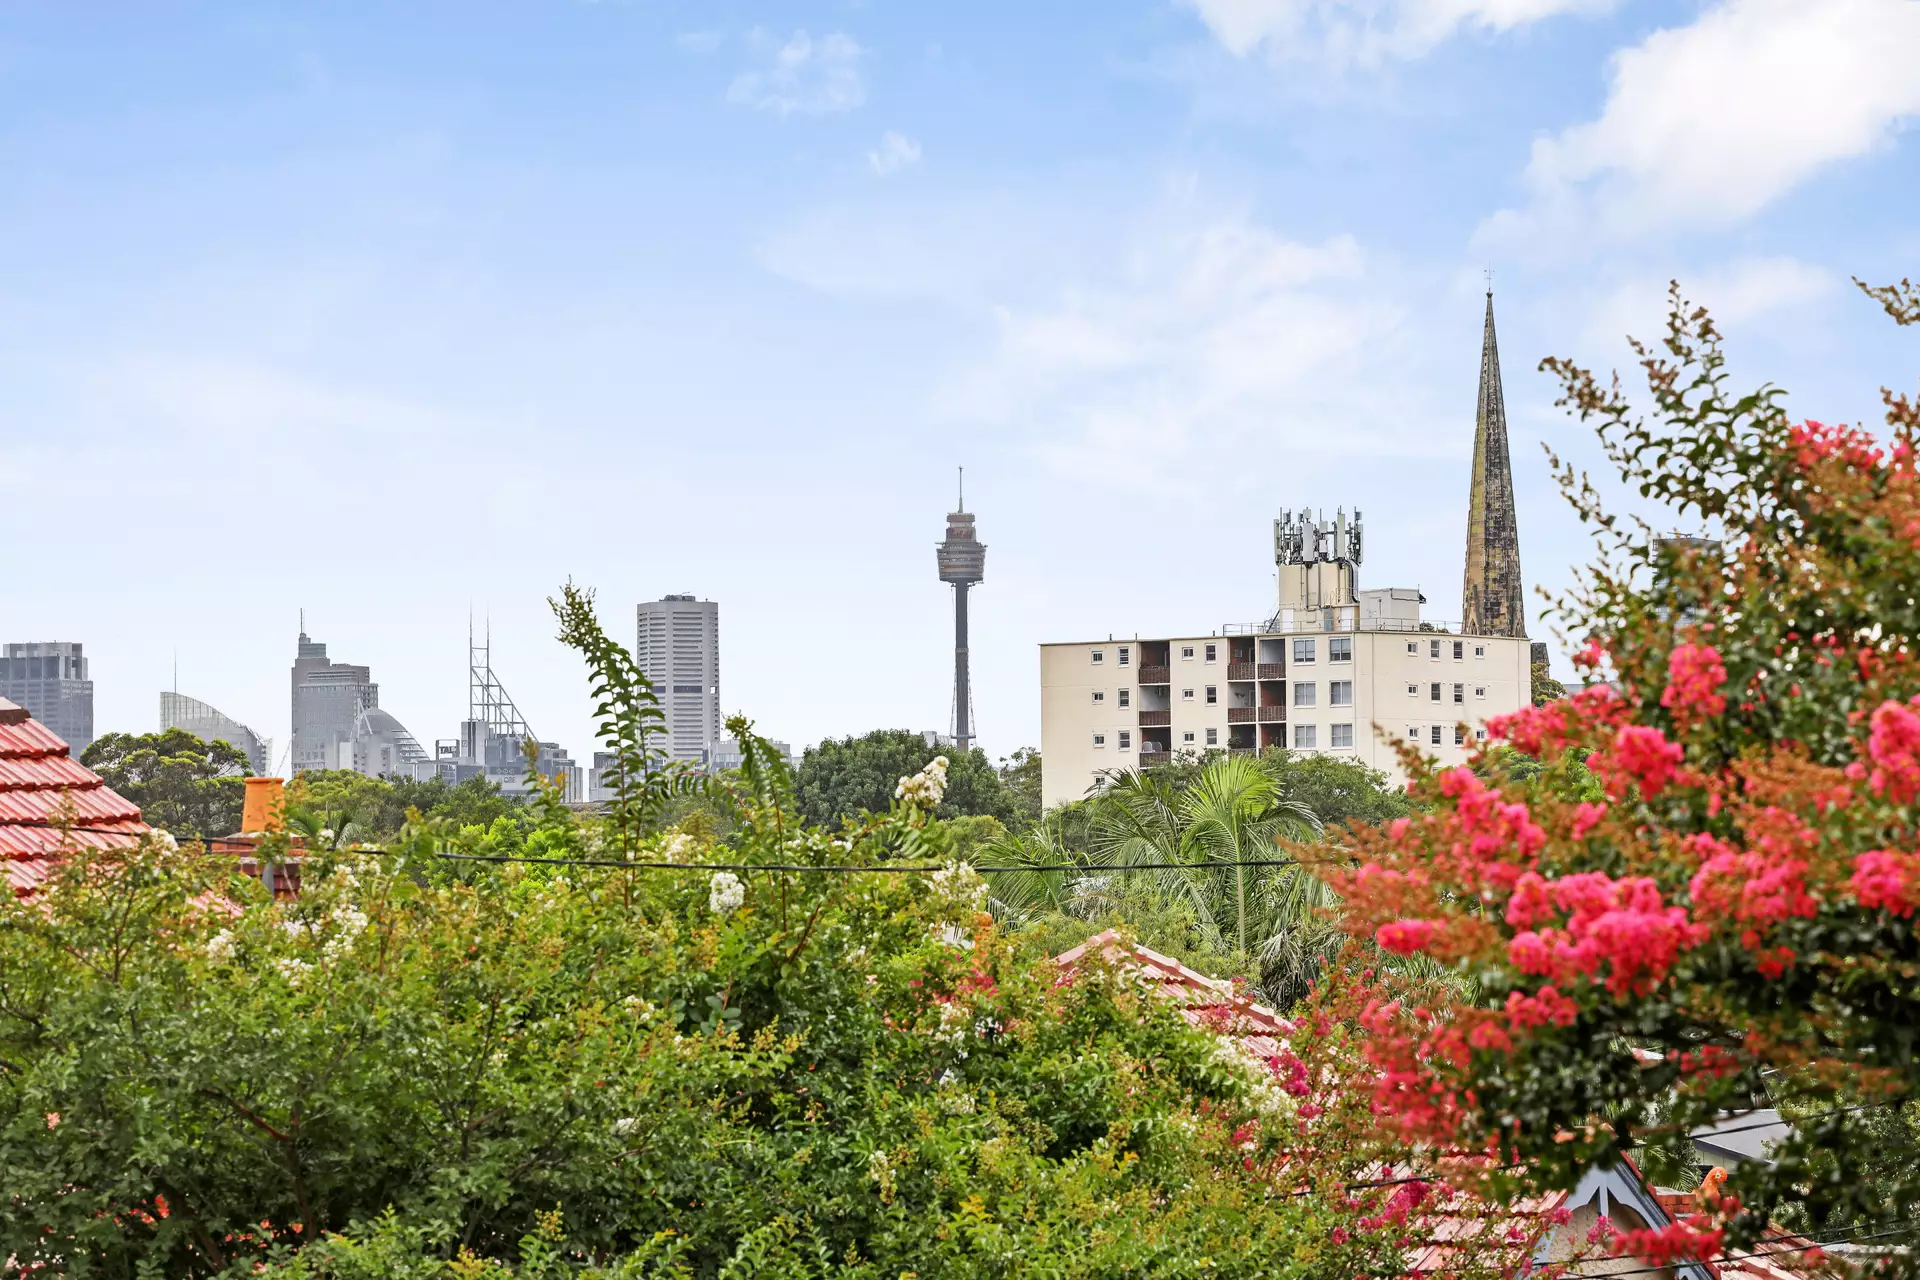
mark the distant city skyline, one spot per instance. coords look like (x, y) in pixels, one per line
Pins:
(420, 317)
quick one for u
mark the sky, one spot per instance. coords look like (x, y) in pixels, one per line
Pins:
(403, 315)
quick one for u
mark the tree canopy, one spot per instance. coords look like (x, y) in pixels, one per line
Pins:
(843, 777)
(378, 806)
(183, 785)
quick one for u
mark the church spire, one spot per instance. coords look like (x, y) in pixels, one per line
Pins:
(1493, 600)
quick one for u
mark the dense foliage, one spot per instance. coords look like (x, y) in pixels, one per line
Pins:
(1729, 918)
(190, 787)
(375, 809)
(844, 777)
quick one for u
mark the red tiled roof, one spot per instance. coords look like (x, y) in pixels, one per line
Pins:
(41, 783)
(1205, 1002)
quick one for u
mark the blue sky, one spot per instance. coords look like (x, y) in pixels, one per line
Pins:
(393, 313)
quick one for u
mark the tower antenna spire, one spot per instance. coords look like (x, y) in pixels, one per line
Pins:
(963, 489)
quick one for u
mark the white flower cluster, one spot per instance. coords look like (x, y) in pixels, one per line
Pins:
(220, 948)
(952, 935)
(162, 842)
(961, 884)
(925, 788)
(678, 847)
(292, 970)
(1264, 1095)
(348, 923)
(725, 893)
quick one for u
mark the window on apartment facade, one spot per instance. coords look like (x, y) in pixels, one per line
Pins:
(1340, 693)
(1187, 736)
(1304, 693)
(1342, 736)
(1126, 739)
(1303, 651)
(1413, 733)
(1459, 694)
(1340, 649)
(1186, 695)
(1459, 735)
(1479, 651)
(1213, 653)
(1099, 740)
(1413, 691)
(1213, 737)
(1099, 656)
(1213, 695)
(1479, 691)
(1433, 691)
(1099, 695)
(1459, 650)
(1481, 733)
(1186, 653)
(1413, 648)
(1435, 736)
(1304, 735)
(1433, 650)
(1126, 653)
(1126, 697)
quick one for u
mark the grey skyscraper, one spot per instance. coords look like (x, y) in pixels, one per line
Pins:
(1493, 600)
(679, 650)
(328, 698)
(178, 711)
(49, 679)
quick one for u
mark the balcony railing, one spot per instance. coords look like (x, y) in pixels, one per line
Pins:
(1300, 627)
(1240, 671)
(1156, 675)
(1240, 715)
(1155, 719)
(1269, 715)
(1273, 671)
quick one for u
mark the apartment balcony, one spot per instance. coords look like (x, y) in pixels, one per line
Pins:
(1269, 715)
(1156, 675)
(1240, 671)
(1155, 719)
(1240, 715)
(1273, 671)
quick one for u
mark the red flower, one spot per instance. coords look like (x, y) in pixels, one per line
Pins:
(1695, 676)
(1404, 937)
(1894, 746)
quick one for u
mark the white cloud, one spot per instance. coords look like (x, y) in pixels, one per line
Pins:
(1736, 293)
(803, 76)
(700, 41)
(1706, 124)
(1366, 31)
(895, 152)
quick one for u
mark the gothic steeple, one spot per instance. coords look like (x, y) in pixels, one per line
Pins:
(1493, 600)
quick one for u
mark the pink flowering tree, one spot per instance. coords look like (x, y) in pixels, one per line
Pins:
(1733, 924)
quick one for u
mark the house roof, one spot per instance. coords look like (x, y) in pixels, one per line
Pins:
(41, 784)
(1210, 1003)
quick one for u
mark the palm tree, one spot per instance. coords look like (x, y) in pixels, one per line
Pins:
(1200, 894)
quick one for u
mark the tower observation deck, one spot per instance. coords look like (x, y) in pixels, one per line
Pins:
(963, 564)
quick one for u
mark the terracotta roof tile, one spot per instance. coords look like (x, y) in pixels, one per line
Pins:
(41, 783)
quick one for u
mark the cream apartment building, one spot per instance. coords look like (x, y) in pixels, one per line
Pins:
(1334, 670)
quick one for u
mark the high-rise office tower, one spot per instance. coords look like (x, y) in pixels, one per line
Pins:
(679, 650)
(178, 711)
(49, 679)
(328, 698)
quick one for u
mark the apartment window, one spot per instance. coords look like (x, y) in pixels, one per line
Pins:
(1304, 694)
(1213, 653)
(1099, 656)
(1213, 737)
(1433, 692)
(1413, 733)
(1304, 735)
(1481, 733)
(1479, 691)
(1126, 653)
(1126, 697)
(1126, 739)
(1186, 653)
(1340, 649)
(1413, 648)
(1413, 691)
(1213, 695)
(1099, 740)
(1433, 650)
(1459, 694)
(1303, 651)
(1340, 694)
(1436, 737)
(1459, 735)
(1187, 736)
(1342, 736)
(1186, 695)
(1459, 650)
(1099, 695)
(1479, 651)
